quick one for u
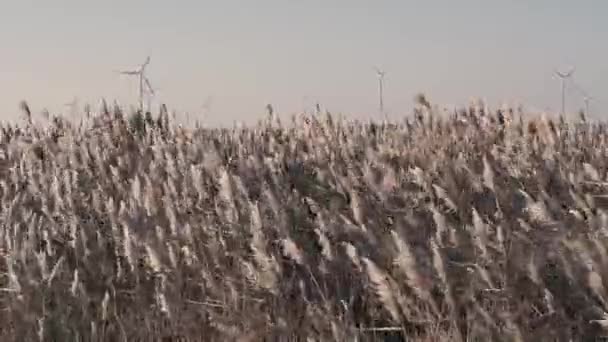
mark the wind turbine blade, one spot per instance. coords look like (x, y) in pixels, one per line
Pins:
(128, 72)
(143, 66)
(149, 86)
(579, 88)
(557, 73)
(565, 74)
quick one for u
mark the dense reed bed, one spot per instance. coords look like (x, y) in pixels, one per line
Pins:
(481, 226)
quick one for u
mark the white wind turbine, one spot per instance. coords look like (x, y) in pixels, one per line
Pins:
(564, 75)
(207, 106)
(586, 97)
(143, 81)
(73, 107)
(380, 74)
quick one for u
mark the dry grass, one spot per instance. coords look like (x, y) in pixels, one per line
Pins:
(453, 229)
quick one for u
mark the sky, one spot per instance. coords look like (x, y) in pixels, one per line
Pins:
(221, 61)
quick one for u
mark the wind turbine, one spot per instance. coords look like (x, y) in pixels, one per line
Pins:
(586, 99)
(380, 74)
(72, 106)
(564, 75)
(206, 108)
(143, 80)
(586, 96)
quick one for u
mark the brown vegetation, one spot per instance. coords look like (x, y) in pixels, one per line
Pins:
(455, 229)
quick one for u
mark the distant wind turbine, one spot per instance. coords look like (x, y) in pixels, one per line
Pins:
(586, 99)
(564, 75)
(73, 106)
(380, 74)
(143, 81)
(585, 94)
(206, 108)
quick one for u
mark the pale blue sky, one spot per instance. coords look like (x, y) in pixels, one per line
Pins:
(244, 54)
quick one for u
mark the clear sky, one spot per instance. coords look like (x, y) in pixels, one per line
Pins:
(237, 56)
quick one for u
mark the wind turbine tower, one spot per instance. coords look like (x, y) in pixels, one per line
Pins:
(564, 75)
(380, 74)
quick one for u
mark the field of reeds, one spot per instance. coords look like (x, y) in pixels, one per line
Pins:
(478, 226)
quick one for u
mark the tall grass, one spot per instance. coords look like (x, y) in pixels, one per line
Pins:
(480, 226)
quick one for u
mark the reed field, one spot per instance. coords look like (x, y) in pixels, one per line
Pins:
(482, 225)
